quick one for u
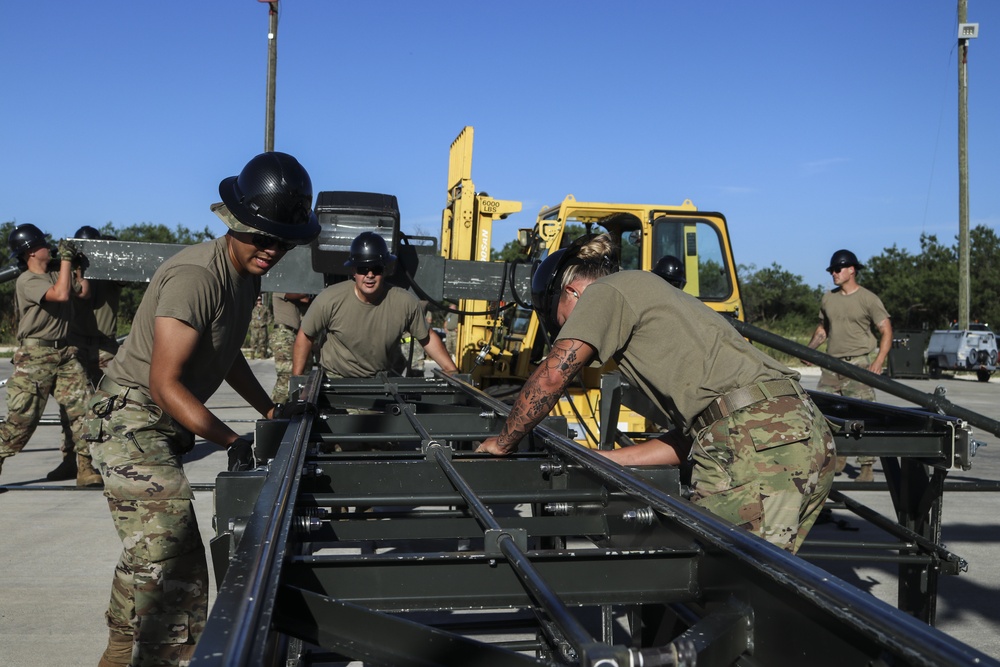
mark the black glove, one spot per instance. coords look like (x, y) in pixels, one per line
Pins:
(291, 409)
(240, 455)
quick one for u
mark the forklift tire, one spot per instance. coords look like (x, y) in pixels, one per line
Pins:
(933, 369)
(983, 375)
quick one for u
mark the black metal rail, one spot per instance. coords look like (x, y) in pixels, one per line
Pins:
(376, 534)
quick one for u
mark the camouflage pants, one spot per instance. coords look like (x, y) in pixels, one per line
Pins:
(39, 372)
(767, 468)
(89, 356)
(159, 594)
(282, 344)
(834, 383)
(258, 342)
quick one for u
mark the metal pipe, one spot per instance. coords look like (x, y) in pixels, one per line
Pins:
(421, 499)
(842, 602)
(519, 562)
(935, 402)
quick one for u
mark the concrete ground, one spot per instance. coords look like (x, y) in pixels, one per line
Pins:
(58, 548)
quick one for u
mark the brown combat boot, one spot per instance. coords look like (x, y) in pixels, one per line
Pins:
(119, 651)
(86, 475)
(841, 464)
(867, 474)
(65, 470)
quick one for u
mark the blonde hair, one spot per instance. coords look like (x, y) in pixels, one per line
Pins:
(595, 258)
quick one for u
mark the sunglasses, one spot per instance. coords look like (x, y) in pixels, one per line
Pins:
(265, 242)
(375, 269)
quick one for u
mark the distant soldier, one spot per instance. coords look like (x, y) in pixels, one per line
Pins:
(288, 311)
(364, 320)
(45, 362)
(260, 319)
(93, 332)
(671, 269)
(848, 316)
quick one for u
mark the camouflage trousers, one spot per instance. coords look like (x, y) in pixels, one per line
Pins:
(89, 356)
(159, 594)
(282, 345)
(767, 468)
(835, 383)
(39, 372)
(258, 342)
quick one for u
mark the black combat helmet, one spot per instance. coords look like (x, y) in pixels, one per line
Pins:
(546, 282)
(87, 232)
(273, 194)
(369, 248)
(843, 258)
(23, 238)
(671, 269)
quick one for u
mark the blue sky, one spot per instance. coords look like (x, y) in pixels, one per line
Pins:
(811, 125)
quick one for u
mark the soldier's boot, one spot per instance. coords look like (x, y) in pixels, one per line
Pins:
(65, 470)
(86, 474)
(841, 464)
(867, 475)
(119, 651)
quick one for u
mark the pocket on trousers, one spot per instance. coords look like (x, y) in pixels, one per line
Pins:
(741, 506)
(787, 420)
(21, 391)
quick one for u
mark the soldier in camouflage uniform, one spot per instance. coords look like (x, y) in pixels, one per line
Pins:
(45, 362)
(288, 311)
(847, 318)
(92, 332)
(762, 453)
(259, 321)
(150, 406)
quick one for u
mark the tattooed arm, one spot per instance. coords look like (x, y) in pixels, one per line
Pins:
(540, 393)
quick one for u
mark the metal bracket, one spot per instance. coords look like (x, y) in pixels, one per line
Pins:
(491, 541)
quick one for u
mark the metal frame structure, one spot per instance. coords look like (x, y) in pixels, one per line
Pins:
(374, 533)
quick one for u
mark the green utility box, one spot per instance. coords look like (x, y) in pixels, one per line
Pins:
(906, 358)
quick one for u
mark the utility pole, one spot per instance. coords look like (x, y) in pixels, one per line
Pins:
(272, 67)
(966, 31)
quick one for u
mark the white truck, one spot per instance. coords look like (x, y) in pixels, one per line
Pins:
(973, 349)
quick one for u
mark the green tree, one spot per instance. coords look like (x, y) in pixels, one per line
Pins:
(916, 289)
(778, 299)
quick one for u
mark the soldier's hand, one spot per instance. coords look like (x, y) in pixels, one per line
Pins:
(81, 262)
(491, 445)
(240, 453)
(67, 250)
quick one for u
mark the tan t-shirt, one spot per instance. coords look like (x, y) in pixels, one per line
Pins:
(38, 318)
(679, 352)
(362, 339)
(288, 313)
(201, 287)
(848, 320)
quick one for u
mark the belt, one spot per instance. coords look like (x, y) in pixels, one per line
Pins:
(725, 405)
(41, 342)
(856, 356)
(130, 394)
